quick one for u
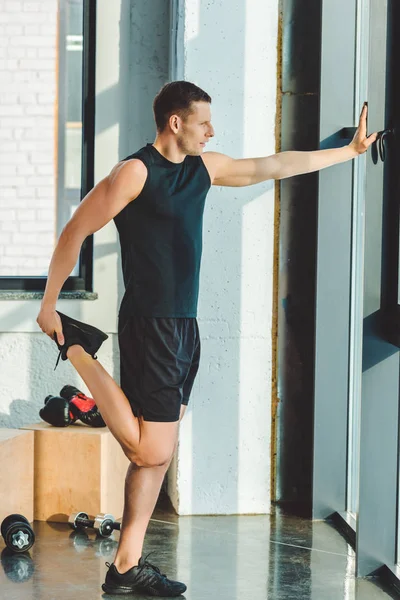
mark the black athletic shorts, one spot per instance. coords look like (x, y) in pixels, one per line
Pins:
(159, 360)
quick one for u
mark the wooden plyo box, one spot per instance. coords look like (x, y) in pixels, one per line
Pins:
(16, 473)
(77, 468)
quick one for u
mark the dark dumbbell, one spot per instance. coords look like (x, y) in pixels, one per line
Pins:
(103, 524)
(17, 533)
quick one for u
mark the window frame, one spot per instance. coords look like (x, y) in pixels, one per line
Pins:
(84, 280)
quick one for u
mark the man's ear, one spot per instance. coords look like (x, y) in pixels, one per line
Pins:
(174, 123)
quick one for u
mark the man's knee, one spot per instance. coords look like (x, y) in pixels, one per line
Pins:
(149, 460)
(157, 444)
(160, 457)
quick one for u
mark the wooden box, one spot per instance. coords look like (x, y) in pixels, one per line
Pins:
(77, 468)
(16, 473)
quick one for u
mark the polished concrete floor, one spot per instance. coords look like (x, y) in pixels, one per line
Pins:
(219, 558)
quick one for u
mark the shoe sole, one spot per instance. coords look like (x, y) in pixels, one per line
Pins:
(83, 326)
(121, 591)
(87, 330)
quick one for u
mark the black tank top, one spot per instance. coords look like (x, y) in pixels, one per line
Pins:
(161, 237)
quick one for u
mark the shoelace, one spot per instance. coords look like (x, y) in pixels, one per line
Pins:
(58, 360)
(79, 329)
(147, 564)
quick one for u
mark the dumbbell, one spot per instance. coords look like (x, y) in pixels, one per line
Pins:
(103, 524)
(17, 533)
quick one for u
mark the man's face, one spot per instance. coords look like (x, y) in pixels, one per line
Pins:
(196, 130)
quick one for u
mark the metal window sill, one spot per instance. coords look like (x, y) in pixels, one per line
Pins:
(390, 325)
(346, 523)
(391, 574)
(30, 295)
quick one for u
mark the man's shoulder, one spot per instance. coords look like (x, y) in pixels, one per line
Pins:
(214, 161)
(136, 163)
(130, 172)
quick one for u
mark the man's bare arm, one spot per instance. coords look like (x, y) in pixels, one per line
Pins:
(227, 171)
(248, 171)
(99, 206)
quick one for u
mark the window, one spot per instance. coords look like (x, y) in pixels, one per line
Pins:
(46, 136)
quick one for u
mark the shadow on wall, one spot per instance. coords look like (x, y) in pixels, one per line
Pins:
(42, 353)
(21, 411)
(31, 358)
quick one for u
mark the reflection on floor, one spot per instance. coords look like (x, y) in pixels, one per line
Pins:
(219, 558)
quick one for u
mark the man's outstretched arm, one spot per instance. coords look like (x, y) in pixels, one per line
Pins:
(228, 171)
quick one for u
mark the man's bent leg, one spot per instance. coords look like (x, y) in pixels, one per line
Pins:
(150, 447)
(142, 488)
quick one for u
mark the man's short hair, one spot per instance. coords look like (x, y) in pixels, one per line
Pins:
(176, 97)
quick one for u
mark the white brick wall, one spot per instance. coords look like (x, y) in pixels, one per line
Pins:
(28, 86)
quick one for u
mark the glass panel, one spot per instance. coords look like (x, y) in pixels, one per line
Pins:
(40, 131)
(70, 115)
(357, 283)
(397, 550)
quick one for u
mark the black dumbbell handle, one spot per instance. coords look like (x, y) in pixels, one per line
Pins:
(90, 523)
(80, 522)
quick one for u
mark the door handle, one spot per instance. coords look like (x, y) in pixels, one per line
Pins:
(348, 133)
(381, 142)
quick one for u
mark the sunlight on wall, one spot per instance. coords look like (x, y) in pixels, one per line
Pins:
(192, 20)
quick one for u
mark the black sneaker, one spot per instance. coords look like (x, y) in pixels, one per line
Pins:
(144, 579)
(76, 332)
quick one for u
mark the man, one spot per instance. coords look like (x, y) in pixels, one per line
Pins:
(156, 198)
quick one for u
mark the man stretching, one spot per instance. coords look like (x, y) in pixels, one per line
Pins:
(156, 197)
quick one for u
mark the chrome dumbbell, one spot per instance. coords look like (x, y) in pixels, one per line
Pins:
(103, 524)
